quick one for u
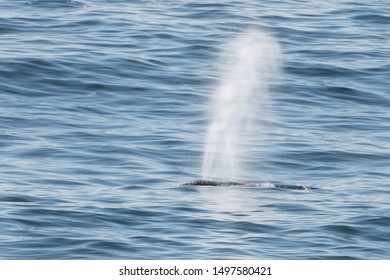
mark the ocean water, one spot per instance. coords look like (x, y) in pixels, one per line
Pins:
(104, 108)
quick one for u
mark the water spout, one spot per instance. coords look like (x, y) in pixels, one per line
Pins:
(248, 64)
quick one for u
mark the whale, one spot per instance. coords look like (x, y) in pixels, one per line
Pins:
(204, 182)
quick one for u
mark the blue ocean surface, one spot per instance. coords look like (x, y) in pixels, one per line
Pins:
(104, 107)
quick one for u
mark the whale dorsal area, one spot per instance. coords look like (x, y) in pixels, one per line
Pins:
(202, 182)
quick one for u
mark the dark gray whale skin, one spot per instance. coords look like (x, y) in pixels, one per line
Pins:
(202, 182)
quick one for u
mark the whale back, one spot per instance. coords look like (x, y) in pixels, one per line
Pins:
(203, 182)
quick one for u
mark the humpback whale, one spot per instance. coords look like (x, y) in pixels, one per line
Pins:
(202, 182)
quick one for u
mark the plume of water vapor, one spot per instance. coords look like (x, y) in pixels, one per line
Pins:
(248, 64)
